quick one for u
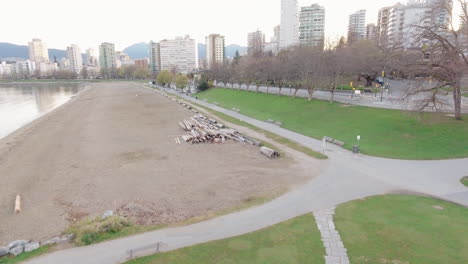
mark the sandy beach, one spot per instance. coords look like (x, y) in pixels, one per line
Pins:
(112, 148)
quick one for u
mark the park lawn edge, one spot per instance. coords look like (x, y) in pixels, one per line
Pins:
(25, 255)
(287, 224)
(372, 229)
(374, 153)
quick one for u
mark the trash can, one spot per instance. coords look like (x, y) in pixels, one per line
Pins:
(356, 149)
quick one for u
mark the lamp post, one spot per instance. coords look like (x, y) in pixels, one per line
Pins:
(382, 86)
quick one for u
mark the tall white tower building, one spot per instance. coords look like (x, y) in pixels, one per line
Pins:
(357, 26)
(38, 51)
(179, 54)
(312, 26)
(214, 49)
(289, 29)
(74, 56)
(92, 57)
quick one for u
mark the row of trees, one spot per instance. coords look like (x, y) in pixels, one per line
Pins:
(166, 78)
(308, 68)
(437, 66)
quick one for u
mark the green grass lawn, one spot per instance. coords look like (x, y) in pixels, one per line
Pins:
(384, 133)
(403, 229)
(296, 241)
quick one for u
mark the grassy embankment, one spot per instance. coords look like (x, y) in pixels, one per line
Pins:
(25, 256)
(384, 132)
(403, 229)
(294, 241)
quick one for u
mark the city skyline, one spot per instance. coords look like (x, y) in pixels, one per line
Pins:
(87, 33)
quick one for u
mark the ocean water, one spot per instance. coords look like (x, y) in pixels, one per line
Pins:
(21, 103)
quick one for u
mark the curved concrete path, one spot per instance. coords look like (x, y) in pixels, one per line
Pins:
(346, 177)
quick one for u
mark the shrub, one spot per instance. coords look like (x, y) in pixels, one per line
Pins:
(203, 85)
(88, 231)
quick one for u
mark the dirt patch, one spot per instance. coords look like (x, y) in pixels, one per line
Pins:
(438, 207)
(108, 149)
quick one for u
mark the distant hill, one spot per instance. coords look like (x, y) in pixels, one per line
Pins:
(231, 50)
(137, 51)
(8, 50)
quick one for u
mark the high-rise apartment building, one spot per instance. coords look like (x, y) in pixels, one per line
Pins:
(371, 32)
(312, 26)
(383, 21)
(155, 58)
(215, 50)
(92, 58)
(398, 25)
(357, 26)
(107, 58)
(289, 28)
(179, 54)
(74, 56)
(38, 51)
(255, 43)
(276, 34)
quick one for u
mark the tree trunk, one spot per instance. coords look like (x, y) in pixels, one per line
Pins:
(268, 88)
(310, 92)
(295, 92)
(279, 90)
(256, 88)
(457, 98)
(332, 96)
(232, 85)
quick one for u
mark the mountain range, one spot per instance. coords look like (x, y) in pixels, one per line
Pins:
(8, 50)
(135, 51)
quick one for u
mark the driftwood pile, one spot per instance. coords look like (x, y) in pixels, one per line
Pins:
(205, 130)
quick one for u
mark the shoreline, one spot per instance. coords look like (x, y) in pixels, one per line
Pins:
(43, 114)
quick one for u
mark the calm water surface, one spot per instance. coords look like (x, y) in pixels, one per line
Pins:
(22, 103)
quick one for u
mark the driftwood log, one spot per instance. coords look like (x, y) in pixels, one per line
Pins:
(18, 204)
(270, 153)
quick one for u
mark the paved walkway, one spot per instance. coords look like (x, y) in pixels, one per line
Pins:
(391, 100)
(336, 251)
(345, 177)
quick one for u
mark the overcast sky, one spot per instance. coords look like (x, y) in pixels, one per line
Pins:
(90, 22)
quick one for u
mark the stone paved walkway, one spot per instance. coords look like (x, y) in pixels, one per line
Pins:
(336, 252)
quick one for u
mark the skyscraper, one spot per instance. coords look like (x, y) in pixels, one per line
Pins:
(38, 51)
(155, 58)
(179, 54)
(255, 43)
(91, 57)
(312, 26)
(357, 26)
(382, 26)
(371, 32)
(107, 58)
(215, 52)
(74, 56)
(289, 28)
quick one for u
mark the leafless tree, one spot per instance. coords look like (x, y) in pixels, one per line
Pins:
(443, 57)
